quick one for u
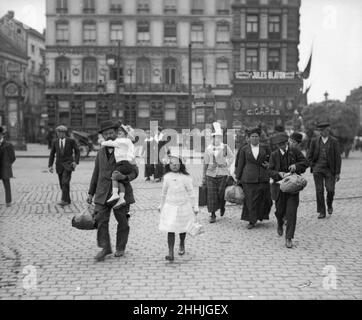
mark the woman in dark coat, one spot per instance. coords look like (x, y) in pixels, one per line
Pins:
(251, 172)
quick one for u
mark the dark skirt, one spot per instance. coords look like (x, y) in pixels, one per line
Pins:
(149, 170)
(216, 192)
(257, 202)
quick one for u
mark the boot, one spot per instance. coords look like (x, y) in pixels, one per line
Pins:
(102, 254)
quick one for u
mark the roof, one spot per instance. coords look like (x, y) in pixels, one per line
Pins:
(8, 47)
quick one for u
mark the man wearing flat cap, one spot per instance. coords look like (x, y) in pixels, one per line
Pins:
(67, 154)
(285, 159)
(295, 139)
(101, 189)
(325, 163)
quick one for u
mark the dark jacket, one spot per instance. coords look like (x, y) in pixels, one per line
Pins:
(249, 170)
(7, 158)
(334, 159)
(101, 182)
(64, 160)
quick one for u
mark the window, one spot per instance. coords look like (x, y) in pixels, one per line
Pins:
(116, 6)
(116, 32)
(62, 70)
(62, 6)
(274, 59)
(113, 73)
(32, 66)
(222, 73)
(88, 6)
(170, 111)
(143, 109)
(251, 60)
(64, 112)
(90, 111)
(89, 33)
(170, 6)
(89, 70)
(197, 72)
(252, 26)
(170, 67)
(197, 33)
(223, 7)
(143, 6)
(143, 74)
(274, 27)
(197, 6)
(62, 33)
(222, 33)
(170, 32)
(143, 32)
(32, 48)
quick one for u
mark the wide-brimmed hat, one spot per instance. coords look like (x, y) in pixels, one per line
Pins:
(216, 129)
(61, 128)
(280, 137)
(176, 153)
(323, 124)
(296, 136)
(108, 124)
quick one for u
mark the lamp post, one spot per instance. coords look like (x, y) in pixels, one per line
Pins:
(190, 87)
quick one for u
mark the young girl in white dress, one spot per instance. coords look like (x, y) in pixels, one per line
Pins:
(178, 207)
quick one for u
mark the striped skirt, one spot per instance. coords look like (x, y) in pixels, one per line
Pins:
(216, 192)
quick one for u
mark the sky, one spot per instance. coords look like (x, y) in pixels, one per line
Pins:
(331, 28)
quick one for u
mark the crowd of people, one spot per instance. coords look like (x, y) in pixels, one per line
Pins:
(257, 167)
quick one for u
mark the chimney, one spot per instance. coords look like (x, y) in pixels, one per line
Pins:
(10, 14)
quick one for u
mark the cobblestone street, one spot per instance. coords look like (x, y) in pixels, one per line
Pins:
(226, 262)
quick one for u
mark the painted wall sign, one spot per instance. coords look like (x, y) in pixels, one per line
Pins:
(266, 75)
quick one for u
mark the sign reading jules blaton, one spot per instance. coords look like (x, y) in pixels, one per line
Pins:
(266, 75)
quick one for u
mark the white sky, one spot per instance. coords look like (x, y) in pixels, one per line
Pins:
(334, 27)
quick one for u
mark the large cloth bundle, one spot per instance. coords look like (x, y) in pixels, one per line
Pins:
(292, 183)
(85, 220)
(234, 194)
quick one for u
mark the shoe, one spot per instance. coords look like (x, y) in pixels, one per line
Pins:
(63, 203)
(119, 203)
(250, 226)
(222, 211)
(321, 216)
(8, 204)
(181, 251)
(119, 253)
(113, 197)
(147, 179)
(170, 258)
(212, 219)
(288, 243)
(280, 230)
(330, 210)
(102, 254)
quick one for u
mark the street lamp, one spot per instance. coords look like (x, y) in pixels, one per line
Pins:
(111, 61)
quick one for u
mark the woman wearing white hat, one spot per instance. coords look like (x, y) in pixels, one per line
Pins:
(177, 203)
(218, 158)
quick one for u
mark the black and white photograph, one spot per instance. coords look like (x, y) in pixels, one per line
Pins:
(202, 151)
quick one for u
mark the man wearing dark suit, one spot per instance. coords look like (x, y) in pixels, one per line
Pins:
(63, 148)
(325, 162)
(7, 158)
(283, 160)
(101, 189)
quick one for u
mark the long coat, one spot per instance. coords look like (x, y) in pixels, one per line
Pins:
(7, 158)
(334, 159)
(66, 157)
(101, 182)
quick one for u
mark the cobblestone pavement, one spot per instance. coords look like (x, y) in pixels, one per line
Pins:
(226, 262)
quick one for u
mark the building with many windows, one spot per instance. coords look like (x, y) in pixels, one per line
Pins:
(151, 64)
(266, 84)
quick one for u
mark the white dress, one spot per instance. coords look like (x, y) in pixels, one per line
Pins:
(177, 203)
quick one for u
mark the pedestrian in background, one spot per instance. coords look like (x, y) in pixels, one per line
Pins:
(67, 154)
(325, 161)
(286, 159)
(101, 189)
(251, 172)
(177, 203)
(218, 158)
(7, 158)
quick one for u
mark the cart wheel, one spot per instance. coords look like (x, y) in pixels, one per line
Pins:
(84, 151)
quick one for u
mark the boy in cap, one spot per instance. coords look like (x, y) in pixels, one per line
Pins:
(325, 162)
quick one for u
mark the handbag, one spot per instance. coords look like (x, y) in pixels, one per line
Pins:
(234, 194)
(194, 228)
(202, 195)
(85, 220)
(292, 183)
